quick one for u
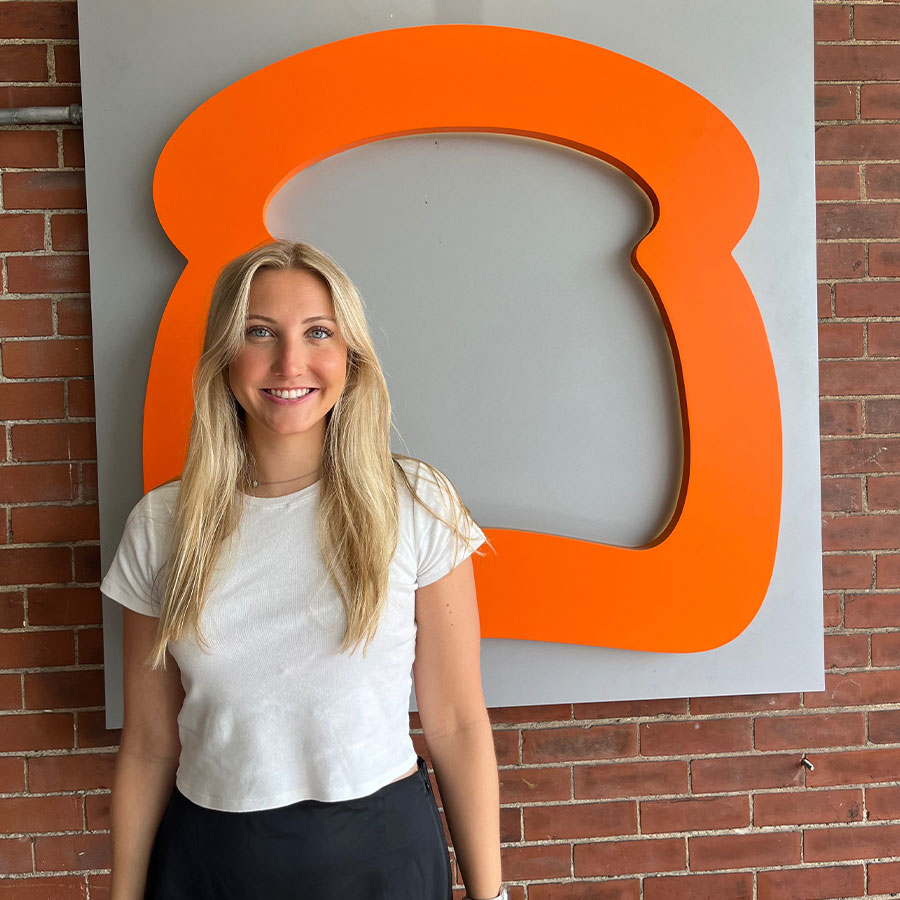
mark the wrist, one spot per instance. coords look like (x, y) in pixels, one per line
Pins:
(503, 895)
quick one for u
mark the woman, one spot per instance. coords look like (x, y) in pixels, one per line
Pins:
(276, 597)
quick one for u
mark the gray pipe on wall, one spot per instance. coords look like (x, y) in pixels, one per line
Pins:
(42, 115)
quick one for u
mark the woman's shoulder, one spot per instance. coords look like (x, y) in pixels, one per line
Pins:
(159, 502)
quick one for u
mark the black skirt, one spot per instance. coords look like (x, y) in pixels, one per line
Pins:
(387, 846)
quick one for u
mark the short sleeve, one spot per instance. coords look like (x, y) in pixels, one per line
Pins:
(133, 578)
(438, 549)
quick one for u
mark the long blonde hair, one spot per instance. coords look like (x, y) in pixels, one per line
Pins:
(358, 511)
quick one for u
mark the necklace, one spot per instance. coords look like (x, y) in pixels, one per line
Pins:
(256, 483)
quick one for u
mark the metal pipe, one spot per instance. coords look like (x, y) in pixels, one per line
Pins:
(42, 115)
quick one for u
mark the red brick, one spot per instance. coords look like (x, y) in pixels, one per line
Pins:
(883, 492)
(516, 715)
(48, 274)
(90, 646)
(65, 887)
(860, 455)
(840, 416)
(12, 612)
(807, 807)
(52, 524)
(887, 571)
(663, 816)
(25, 318)
(856, 63)
(883, 183)
(97, 813)
(846, 651)
(872, 610)
(81, 397)
(735, 851)
(884, 878)
(832, 23)
(28, 650)
(835, 102)
(697, 736)
(801, 732)
(37, 731)
(880, 101)
(70, 440)
(31, 400)
(884, 260)
(862, 142)
(701, 706)
(853, 842)
(506, 743)
(844, 571)
(859, 376)
(21, 231)
(856, 689)
(82, 606)
(72, 851)
(841, 494)
(823, 300)
(67, 63)
(530, 785)
(883, 416)
(23, 62)
(40, 95)
(840, 339)
(91, 732)
(80, 772)
(839, 882)
(868, 532)
(884, 728)
(44, 190)
(876, 23)
(854, 766)
(618, 889)
(882, 803)
(89, 491)
(841, 261)
(848, 221)
(68, 231)
(542, 861)
(73, 148)
(631, 779)
(11, 691)
(884, 338)
(15, 856)
(581, 820)
(630, 709)
(87, 570)
(28, 149)
(36, 815)
(730, 886)
(629, 857)
(24, 484)
(64, 690)
(38, 20)
(740, 773)
(12, 776)
(35, 565)
(591, 742)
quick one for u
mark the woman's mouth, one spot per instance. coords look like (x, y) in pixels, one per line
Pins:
(288, 397)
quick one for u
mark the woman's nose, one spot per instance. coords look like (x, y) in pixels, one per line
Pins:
(290, 360)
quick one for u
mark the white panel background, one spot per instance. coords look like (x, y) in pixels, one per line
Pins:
(495, 271)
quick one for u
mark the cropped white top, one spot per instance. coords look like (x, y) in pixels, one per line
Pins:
(273, 713)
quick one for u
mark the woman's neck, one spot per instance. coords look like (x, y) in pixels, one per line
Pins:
(286, 464)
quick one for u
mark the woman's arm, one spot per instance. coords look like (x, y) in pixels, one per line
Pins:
(147, 758)
(447, 672)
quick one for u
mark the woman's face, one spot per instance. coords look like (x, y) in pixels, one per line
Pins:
(291, 344)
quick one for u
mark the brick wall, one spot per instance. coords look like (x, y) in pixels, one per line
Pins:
(671, 799)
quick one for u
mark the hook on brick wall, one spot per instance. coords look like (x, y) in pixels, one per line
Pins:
(804, 761)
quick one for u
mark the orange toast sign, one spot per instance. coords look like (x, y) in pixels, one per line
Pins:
(218, 172)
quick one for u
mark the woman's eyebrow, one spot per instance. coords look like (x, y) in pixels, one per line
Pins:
(274, 322)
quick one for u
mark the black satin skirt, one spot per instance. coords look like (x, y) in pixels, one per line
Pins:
(389, 845)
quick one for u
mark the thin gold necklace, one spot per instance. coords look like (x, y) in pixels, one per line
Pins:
(257, 484)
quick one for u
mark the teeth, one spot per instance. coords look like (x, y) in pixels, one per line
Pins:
(288, 395)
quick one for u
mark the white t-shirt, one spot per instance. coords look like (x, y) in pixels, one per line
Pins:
(273, 713)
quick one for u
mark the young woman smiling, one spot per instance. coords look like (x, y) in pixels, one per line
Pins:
(278, 596)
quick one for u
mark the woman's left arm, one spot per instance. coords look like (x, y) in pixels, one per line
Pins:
(447, 673)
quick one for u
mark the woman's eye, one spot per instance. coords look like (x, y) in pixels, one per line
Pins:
(255, 328)
(323, 331)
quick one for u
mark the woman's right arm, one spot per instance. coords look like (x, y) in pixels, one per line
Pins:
(147, 758)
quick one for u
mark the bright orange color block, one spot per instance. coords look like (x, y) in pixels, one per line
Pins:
(702, 580)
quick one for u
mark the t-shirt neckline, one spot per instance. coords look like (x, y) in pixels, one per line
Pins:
(295, 497)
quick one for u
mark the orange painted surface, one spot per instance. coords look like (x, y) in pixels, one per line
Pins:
(704, 577)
